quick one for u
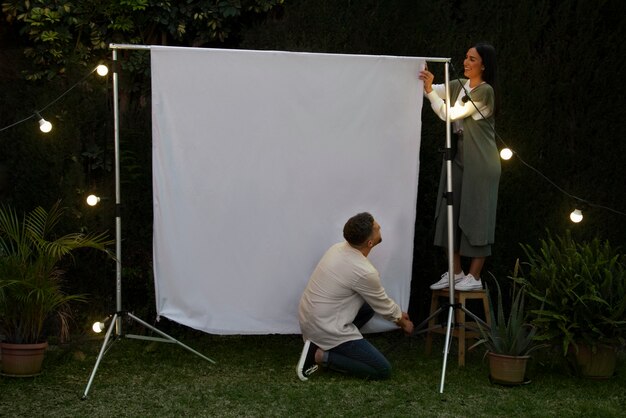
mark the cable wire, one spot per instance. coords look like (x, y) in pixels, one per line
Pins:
(51, 103)
(579, 199)
(571, 196)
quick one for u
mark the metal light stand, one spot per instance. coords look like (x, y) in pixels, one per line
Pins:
(116, 320)
(451, 306)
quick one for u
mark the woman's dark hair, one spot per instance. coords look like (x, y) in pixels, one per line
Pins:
(488, 54)
(358, 228)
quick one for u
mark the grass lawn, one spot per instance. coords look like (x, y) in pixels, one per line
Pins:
(255, 377)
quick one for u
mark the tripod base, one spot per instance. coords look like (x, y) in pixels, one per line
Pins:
(464, 327)
(458, 329)
(109, 339)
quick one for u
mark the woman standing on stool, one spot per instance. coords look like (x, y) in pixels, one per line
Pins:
(475, 165)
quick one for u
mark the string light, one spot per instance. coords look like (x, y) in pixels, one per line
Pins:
(102, 70)
(576, 216)
(46, 126)
(93, 200)
(97, 327)
(506, 154)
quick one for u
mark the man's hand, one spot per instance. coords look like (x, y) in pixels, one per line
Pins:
(405, 323)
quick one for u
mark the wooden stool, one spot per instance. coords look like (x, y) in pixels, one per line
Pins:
(462, 330)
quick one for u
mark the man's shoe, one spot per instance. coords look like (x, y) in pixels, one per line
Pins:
(443, 283)
(306, 365)
(469, 283)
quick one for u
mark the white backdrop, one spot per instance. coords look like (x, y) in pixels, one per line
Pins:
(259, 158)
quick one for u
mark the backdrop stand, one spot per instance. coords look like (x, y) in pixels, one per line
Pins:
(117, 317)
(450, 306)
(116, 320)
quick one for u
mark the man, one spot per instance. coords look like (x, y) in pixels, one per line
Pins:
(342, 294)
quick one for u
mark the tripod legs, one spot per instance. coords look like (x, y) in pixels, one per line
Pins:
(447, 347)
(105, 345)
(168, 338)
(461, 323)
(100, 355)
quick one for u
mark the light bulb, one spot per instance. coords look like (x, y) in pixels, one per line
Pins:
(97, 327)
(576, 216)
(506, 153)
(102, 70)
(92, 200)
(44, 126)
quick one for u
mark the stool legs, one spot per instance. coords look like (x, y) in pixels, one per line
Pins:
(460, 330)
(460, 316)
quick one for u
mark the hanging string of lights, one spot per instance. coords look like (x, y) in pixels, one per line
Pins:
(44, 125)
(506, 152)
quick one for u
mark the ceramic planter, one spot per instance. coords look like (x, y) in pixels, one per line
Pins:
(22, 360)
(598, 364)
(507, 370)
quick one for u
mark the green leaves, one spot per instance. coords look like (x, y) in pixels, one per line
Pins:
(581, 287)
(30, 278)
(62, 33)
(135, 4)
(509, 334)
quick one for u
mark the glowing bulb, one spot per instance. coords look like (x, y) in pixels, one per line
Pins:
(44, 126)
(576, 216)
(506, 153)
(92, 200)
(97, 327)
(102, 70)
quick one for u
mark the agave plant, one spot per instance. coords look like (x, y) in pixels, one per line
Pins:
(509, 335)
(31, 291)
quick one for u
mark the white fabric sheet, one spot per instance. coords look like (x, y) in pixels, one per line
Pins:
(259, 158)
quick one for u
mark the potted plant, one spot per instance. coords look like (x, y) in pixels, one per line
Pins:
(31, 292)
(579, 293)
(509, 340)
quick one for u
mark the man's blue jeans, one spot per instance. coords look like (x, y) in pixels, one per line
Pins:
(359, 357)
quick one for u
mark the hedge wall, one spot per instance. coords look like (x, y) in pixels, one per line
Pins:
(560, 94)
(561, 105)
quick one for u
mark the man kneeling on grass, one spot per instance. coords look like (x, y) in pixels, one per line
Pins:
(342, 294)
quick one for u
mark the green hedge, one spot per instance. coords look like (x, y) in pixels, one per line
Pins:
(560, 86)
(560, 94)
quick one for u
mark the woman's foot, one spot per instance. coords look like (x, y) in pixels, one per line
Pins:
(444, 283)
(469, 283)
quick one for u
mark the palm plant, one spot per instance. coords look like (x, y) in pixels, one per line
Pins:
(30, 276)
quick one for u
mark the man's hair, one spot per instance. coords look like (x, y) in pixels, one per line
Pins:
(358, 228)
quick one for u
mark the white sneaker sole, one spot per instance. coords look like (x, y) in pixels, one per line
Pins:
(469, 289)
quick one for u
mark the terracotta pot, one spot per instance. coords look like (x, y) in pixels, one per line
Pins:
(595, 365)
(510, 370)
(22, 360)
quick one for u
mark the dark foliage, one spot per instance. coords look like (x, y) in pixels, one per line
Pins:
(560, 93)
(559, 73)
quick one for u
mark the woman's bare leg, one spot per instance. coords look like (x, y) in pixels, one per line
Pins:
(476, 267)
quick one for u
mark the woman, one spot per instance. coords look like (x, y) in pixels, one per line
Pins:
(476, 165)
